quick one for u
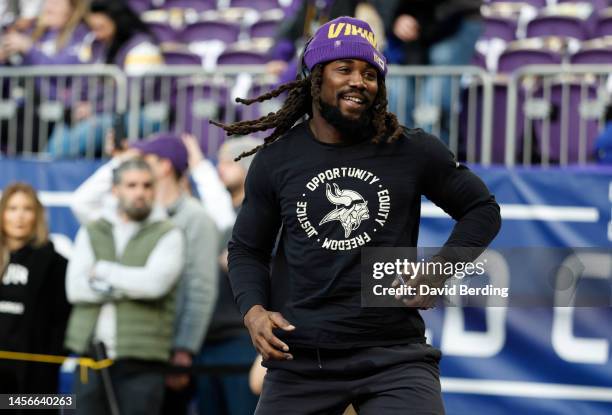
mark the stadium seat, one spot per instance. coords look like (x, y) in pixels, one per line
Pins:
(512, 59)
(583, 110)
(571, 19)
(140, 6)
(500, 94)
(267, 25)
(501, 20)
(603, 24)
(177, 57)
(242, 57)
(197, 5)
(559, 26)
(251, 52)
(597, 4)
(499, 28)
(535, 51)
(535, 3)
(163, 31)
(517, 54)
(593, 52)
(227, 32)
(259, 5)
(197, 102)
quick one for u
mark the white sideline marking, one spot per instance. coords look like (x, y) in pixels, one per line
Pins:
(545, 213)
(55, 199)
(526, 389)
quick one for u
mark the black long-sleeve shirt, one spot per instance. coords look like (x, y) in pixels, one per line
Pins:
(33, 316)
(331, 200)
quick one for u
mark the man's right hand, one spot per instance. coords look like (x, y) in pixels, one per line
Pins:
(260, 323)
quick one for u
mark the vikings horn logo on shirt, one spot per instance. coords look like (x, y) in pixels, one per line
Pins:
(360, 217)
(350, 208)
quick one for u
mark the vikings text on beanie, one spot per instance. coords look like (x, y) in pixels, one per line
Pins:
(344, 38)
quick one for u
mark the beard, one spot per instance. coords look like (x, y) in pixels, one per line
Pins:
(352, 130)
(135, 213)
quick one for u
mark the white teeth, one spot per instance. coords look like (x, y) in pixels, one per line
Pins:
(354, 99)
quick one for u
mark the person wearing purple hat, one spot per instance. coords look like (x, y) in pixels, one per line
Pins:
(167, 155)
(349, 176)
(168, 147)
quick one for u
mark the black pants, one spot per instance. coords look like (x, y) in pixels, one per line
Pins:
(401, 379)
(177, 402)
(137, 390)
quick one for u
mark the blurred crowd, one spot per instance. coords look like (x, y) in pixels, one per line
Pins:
(146, 283)
(138, 35)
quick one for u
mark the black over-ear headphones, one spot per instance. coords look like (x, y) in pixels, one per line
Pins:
(303, 71)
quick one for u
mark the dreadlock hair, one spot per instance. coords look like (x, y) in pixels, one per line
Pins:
(302, 93)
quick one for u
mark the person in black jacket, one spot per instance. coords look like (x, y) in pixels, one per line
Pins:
(348, 177)
(33, 305)
(436, 33)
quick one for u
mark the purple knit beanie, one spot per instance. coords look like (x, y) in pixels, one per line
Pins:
(344, 38)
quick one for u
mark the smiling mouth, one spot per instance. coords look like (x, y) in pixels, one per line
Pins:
(354, 99)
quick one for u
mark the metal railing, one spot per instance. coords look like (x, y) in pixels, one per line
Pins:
(554, 113)
(446, 101)
(190, 96)
(183, 98)
(37, 103)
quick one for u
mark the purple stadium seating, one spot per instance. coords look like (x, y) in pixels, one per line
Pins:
(572, 125)
(242, 57)
(512, 59)
(597, 4)
(592, 56)
(198, 102)
(264, 28)
(208, 30)
(560, 26)
(163, 31)
(519, 53)
(181, 58)
(603, 25)
(198, 5)
(535, 3)
(259, 5)
(498, 145)
(500, 28)
(140, 6)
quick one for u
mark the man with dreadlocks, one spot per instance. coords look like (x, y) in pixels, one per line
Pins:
(347, 177)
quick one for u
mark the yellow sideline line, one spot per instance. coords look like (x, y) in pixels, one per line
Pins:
(84, 362)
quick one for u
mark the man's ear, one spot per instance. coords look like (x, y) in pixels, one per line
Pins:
(114, 190)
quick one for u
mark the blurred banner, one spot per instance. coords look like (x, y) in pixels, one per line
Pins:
(536, 360)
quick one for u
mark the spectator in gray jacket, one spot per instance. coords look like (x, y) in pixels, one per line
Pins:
(197, 290)
(227, 341)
